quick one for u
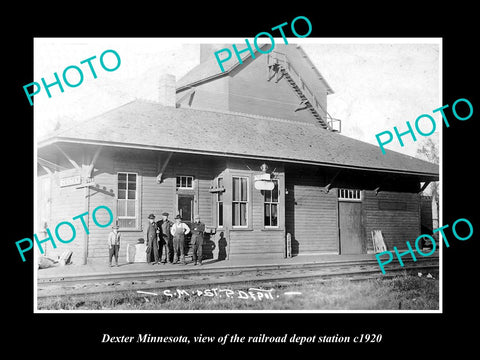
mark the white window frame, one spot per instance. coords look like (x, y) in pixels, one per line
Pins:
(246, 226)
(270, 203)
(186, 177)
(350, 195)
(217, 195)
(136, 217)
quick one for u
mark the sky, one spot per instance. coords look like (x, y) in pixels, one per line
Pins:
(378, 83)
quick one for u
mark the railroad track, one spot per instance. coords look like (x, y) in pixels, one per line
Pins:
(154, 280)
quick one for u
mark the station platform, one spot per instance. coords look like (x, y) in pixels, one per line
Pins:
(101, 266)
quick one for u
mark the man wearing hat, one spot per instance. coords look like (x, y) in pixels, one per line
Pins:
(152, 243)
(178, 231)
(113, 245)
(198, 228)
(165, 245)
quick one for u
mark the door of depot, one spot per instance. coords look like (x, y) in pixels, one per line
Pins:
(350, 227)
(185, 206)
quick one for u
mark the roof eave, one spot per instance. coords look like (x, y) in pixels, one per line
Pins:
(55, 139)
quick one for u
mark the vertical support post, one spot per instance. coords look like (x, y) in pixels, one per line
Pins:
(289, 246)
(227, 235)
(196, 198)
(85, 235)
(435, 220)
(227, 204)
(86, 191)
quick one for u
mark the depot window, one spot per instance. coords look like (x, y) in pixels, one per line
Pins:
(239, 201)
(127, 200)
(220, 203)
(270, 199)
(349, 195)
(184, 182)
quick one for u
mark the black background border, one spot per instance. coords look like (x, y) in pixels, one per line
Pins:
(407, 334)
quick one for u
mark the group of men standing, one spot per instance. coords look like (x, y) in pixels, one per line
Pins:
(166, 240)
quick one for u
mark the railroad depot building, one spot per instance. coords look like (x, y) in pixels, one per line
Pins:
(252, 150)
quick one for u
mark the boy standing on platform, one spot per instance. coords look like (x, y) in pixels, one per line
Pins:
(113, 245)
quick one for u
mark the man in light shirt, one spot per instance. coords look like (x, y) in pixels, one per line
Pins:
(178, 231)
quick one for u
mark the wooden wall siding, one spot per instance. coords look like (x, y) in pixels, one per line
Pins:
(397, 226)
(365, 180)
(108, 164)
(204, 198)
(104, 195)
(256, 239)
(44, 201)
(250, 92)
(204, 170)
(259, 240)
(154, 198)
(66, 203)
(315, 220)
(247, 90)
(426, 214)
(311, 215)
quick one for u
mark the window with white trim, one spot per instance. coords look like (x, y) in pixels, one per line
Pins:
(239, 201)
(184, 182)
(127, 200)
(270, 199)
(349, 194)
(220, 203)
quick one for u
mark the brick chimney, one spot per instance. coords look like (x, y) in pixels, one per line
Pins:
(167, 90)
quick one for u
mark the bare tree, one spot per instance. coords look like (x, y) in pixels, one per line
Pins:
(429, 150)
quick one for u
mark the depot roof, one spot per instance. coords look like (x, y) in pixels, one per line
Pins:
(148, 125)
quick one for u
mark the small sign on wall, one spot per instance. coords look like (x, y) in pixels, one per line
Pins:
(70, 180)
(86, 182)
(260, 177)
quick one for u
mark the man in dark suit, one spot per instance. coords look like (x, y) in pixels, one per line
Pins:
(152, 242)
(198, 229)
(165, 245)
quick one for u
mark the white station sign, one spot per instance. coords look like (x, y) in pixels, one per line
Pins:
(71, 180)
(264, 185)
(265, 176)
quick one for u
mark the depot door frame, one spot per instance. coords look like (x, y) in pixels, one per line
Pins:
(360, 233)
(192, 212)
(194, 192)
